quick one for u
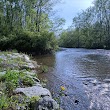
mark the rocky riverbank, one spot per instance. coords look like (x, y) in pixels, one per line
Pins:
(20, 89)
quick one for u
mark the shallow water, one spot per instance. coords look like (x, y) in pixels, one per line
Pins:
(84, 73)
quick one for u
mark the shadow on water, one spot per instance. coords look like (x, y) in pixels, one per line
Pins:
(85, 75)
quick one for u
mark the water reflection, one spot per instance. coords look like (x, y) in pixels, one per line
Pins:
(48, 60)
(86, 75)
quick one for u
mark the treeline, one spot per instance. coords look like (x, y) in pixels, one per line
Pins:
(25, 25)
(90, 28)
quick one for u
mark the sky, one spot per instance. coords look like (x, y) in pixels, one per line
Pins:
(68, 9)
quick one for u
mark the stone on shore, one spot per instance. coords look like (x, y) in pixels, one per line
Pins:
(37, 90)
(45, 103)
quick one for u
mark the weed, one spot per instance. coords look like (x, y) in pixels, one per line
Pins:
(27, 81)
(1, 60)
(44, 69)
(34, 99)
(4, 102)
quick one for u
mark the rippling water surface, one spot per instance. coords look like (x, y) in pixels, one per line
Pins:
(85, 75)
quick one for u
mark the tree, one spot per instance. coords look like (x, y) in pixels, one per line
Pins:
(93, 26)
(23, 21)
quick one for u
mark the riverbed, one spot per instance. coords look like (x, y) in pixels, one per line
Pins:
(85, 74)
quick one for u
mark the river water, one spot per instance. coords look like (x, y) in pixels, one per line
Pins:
(84, 73)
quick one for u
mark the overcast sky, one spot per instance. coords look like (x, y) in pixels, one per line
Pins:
(69, 9)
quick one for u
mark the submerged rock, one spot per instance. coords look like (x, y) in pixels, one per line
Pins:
(47, 103)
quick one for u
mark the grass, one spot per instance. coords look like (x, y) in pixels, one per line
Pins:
(4, 102)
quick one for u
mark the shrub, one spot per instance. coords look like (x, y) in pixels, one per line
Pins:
(44, 43)
(26, 41)
(22, 43)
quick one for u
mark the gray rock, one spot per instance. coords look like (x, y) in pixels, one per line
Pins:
(29, 73)
(12, 56)
(35, 64)
(33, 91)
(28, 66)
(47, 103)
(6, 65)
(17, 55)
(2, 73)
(31, 66)
(27, 59)
(3, 57)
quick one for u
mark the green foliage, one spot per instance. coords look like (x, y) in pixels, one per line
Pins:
(14, 79)
(44, 82)
(44, 69)
(34, 99)
(2, 77)
(25, 26)
(69, 39)
(1, 60)
(11, 81)
(5, 43)
(33, 102)
(4, 102)
(14, 102)
(27, 81)
(44, 42)
(22, 42)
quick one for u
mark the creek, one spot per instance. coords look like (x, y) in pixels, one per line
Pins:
(85, 73)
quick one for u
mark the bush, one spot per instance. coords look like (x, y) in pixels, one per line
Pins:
(22, 43)
(44, 42)
(5, 43)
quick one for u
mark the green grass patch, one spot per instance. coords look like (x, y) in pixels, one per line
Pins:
(14, 79)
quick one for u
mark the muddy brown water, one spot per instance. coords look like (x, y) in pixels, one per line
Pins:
(84, 73)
